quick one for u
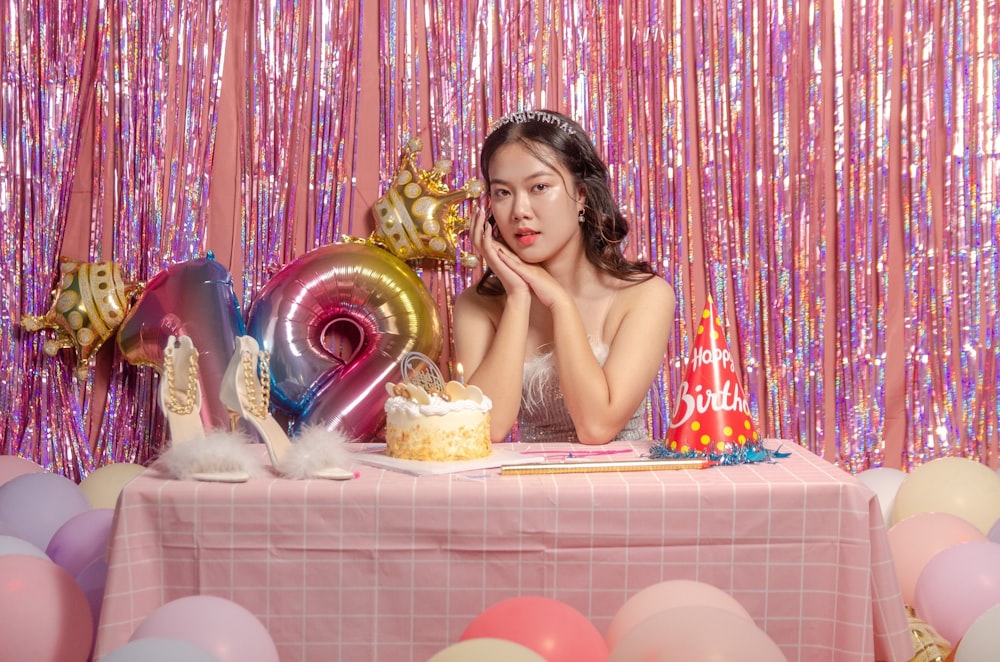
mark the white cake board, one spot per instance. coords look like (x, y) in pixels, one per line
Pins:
(374, 455)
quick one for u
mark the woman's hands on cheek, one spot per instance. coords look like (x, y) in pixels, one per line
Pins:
(487, 241)
(545, 288)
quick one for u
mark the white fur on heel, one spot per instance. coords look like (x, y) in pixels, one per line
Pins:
(224, 457)
(318, 453)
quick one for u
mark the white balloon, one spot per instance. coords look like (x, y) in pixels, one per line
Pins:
(15, 545)
(884, 482)
(982, 640)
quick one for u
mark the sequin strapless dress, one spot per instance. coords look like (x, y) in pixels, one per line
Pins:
(543, 416)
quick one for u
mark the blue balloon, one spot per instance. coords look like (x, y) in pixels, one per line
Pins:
(159, 649)
(35, 505)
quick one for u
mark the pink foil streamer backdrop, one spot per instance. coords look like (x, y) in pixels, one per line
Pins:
(827, 171)
(42, 85)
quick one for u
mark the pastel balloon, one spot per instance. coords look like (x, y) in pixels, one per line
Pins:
(46, 617)
(884, 482)
(994, 534)
(159, 649)
(35, 505)
(196, 299)
(955, 485)
(553, 629)
(486, 650)
(982, 639)
(92, 581)
(12, 466)
(667, 595)
(957, 586)
(103, 485)
(14, 545)
(337, 321)
(696, 632)
(88, 304)
(224, 628)
(916, 539)
(81, 540)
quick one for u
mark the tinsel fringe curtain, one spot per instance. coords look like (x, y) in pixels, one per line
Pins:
(827, 170)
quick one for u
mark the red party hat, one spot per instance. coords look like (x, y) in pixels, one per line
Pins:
(712, 415)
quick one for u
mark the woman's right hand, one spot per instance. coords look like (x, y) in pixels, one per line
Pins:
(488, 242)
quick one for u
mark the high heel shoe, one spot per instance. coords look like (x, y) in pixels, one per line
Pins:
(246, 392)
(180, 394)
(191, 454)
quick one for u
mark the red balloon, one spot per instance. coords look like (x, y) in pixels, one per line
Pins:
(551, 628)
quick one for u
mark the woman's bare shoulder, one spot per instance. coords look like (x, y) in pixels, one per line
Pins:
(651, 291)
(470, 300)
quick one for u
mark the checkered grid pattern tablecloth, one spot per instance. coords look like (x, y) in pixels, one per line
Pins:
(394, 567)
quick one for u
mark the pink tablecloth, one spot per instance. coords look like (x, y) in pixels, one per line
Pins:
(394, 567)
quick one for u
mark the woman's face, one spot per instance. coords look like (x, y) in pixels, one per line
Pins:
(535, 207)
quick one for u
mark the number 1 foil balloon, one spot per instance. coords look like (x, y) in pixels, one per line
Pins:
(336, 321)
(196, 299)
(88, 303)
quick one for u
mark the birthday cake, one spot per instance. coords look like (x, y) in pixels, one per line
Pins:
(429, 420)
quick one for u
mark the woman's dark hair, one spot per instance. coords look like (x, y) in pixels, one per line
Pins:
(546, 133)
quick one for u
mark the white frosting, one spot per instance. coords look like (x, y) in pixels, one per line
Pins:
(437, 407)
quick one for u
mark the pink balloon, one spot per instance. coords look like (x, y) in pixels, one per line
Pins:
(222, 627)
(12, 466)
(551, 628)
(696, 632)
(667, 595)
(957, 586)
(81, 540)
(917, 538)
(196, 299)
(348, 314)
(46, 617)
(35, 505)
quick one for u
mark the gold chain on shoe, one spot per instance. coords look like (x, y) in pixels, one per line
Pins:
(257, 380)
(177, 403)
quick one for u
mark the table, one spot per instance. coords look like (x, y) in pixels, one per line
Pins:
(390, 566)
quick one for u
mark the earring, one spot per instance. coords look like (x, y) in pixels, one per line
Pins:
(580, 216)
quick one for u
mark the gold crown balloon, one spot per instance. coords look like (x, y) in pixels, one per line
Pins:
(416, 218)
(88, 303)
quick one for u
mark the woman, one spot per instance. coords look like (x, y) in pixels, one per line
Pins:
(563, 332)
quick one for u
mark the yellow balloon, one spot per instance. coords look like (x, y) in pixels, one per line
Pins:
(486, 650)
(954, 485)
(103, 486)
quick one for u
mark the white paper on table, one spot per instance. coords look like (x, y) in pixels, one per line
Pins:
(374, 454)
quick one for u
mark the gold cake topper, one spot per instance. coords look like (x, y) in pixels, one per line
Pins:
(422, 378)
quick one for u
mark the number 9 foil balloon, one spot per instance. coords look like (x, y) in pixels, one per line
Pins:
(337, 321)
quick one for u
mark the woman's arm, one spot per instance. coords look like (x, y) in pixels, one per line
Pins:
(601, 399)
(491, 334)
(492, 352)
